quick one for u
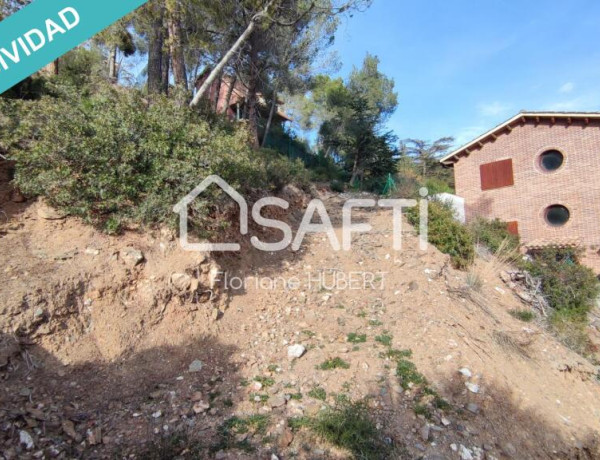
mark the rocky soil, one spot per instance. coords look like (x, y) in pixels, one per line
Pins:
(129, 347)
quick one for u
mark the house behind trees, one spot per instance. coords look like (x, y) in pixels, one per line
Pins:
(228, 95)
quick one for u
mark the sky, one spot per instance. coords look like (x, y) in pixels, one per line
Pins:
(463, 66)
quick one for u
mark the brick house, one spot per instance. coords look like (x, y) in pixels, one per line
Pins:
(540, 172)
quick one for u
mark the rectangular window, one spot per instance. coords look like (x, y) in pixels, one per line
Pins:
(513, 227)
(497, 174)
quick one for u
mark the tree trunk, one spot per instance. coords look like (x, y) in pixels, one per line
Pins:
(165, 72)
(252, 96)
(176, 42)
(112, 65)
(155, 55)
(354, 169)
(53, 67)
(232, 84)
(227, 57)
(270, 120)
(218, 92)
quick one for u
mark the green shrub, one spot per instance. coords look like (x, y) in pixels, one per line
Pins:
(349, 426)
(569, 287)
(337, 186)
(435, 185)
(113, 159)
(493, 234)
(446, 233)
(523, 315)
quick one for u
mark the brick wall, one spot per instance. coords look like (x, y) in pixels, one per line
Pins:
(575, 185)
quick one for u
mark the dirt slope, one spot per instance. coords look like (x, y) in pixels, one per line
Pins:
(97, 347)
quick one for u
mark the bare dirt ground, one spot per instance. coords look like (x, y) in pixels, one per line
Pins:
(108, 355)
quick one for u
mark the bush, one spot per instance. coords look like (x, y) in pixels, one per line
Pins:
(493, 234)
(435, 185)
(337, 186)
(570, 288)
(111, 157)
(350, 427)
(446, 233)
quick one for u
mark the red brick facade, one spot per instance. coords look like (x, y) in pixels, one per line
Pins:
(575, 185)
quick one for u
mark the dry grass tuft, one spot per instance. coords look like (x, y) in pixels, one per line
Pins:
(513, 344)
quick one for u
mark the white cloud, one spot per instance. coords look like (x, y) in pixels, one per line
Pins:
(567, 88)
(588, 102)
(493, 109)
(468, 134)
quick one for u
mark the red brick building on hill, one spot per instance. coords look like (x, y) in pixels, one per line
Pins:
(540, 172)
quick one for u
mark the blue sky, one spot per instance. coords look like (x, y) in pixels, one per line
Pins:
(463, 66)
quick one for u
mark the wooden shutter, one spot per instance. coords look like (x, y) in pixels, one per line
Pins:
(497, 174)
(513, 227)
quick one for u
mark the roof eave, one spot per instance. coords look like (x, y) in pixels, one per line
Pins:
(453, 157)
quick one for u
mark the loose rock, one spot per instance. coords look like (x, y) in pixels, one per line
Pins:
(132, 256)
(195, 366)
(181, 281)
(296, 351)
(26, 440)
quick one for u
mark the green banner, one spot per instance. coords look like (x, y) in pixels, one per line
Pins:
(45, 30)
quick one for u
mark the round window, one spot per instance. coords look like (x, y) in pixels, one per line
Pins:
(551, 160)
(557, 215)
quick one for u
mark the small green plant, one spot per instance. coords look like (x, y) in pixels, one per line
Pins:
(375, 323)
(296, 396)
(333, 363)
(297, 423)
(227, 431)
(309, 334)
(408, 375)
(256, 397)
(273, 368)
(422, 409)
(384, 339)
(318, 393)
(523, 315)
(353, 337)
(397, 354)
(265, 381)
(441, 404)
(228, 402)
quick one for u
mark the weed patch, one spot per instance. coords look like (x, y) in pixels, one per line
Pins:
(333, 363)
(523, 315)
(384, 339)
(353, 337)
(318, 393)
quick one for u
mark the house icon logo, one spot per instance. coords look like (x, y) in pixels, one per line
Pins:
(182, 209)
